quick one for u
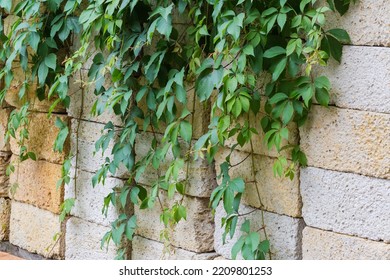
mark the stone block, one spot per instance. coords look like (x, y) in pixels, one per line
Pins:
(278, 195)
(284, 233)
(346, 203)
(348, 140)
(361, 81)
(83, 137)
(324, 245)
(4, 116)
(33, 229)
(367, 22)
(195, 234)
(42, 135)
(89, 200)
(5, 212)
(147, 249)
(201, 180)
(4, 161)
(83, 241)
(36, 184)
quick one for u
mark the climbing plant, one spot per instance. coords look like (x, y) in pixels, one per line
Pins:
(150, 62)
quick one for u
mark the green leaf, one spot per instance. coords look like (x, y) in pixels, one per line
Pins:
(280, 96)
(32, 156)
(123, 197)
(287, 112)
(322, 96)
(237, 185)
(279, 68)
(62, 135)
(264, 246)
(117, 233)
(43, 70)
(207, 81)
(237, 247)
(335, 48)
(322, 82)
(6, 4)
(254, 238)
(51, 61)
(341, 35)
(182, 212)
(186, 131)
(246, 226)
(282, 18)
(274, 51)
(341, 6)
(130, 227)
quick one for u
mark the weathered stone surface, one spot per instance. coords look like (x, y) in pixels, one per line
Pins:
(194, 234)
(361, 81)
(4, 161)
(36, 184)
(367, 22)
(83, 240)
(5, 212)
(259, 147)
(89, 201)
(348, 140)
(42, 135)
(284, 233)
(201, 180)
(33, 229)
(346, 203)
(279, 195)
(324, 245)
(4, 116)
(84, 138)
(147, 249)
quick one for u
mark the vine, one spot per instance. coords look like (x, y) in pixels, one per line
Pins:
(144, 69)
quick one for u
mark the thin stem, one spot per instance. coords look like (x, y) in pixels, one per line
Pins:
(258, 192)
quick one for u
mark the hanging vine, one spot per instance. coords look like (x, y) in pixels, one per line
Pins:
(145, 69)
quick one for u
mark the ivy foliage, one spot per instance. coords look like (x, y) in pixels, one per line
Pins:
(150, 63)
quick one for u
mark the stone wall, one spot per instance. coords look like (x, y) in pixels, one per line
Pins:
(336, 208)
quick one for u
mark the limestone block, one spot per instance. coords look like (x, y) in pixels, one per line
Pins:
(4, 161)
(5, 212)
(201, 180)
(284, 233)
(324, 245)
(346, 203)
(89, 201)
(83, 241)
(4, 116)
(83, 136)
(348, 140)
(278, 195)
(195, 234)
(147, 249)
(367, 22)
(42, 135)
(36, 184)
(33, 229)
(362, 80)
